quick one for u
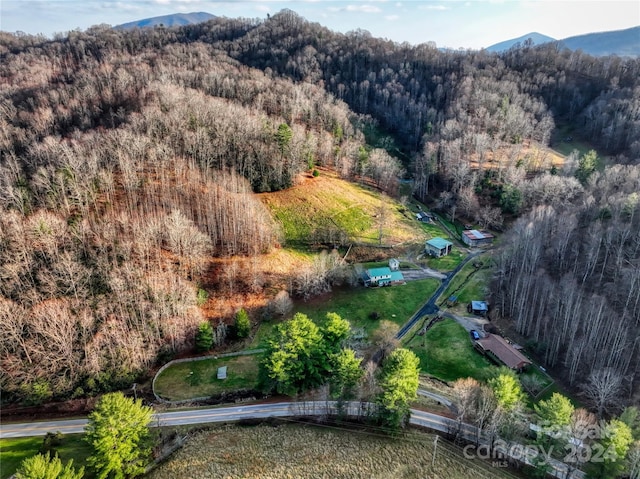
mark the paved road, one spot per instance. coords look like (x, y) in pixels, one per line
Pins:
(261, 411)
(441, 399)
(174, 418)
(430, 306)
(468, 322)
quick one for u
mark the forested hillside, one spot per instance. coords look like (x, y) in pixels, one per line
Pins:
(123, 170)
(453, 114)
(130, 158)
(569, 278)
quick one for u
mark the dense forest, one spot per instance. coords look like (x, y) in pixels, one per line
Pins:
(129, 158)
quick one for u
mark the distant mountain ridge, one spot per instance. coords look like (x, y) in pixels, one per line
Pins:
(174, 20)
(537, 38)
(617, 42)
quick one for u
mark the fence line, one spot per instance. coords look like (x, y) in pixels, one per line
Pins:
(246, 352)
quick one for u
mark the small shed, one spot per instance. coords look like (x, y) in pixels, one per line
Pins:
(479, 308)
(394, 264)
(438, 247)
(222, 372)
(476, 237)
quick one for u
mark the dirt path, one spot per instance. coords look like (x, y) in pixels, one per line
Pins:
(422, 273)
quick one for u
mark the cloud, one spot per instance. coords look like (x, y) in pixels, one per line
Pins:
(438, 8)
(357, 8)
(262, 8)
(363, 8)
(124, 7)
(392, 18)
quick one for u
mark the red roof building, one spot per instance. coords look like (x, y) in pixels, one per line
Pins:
(499, 349)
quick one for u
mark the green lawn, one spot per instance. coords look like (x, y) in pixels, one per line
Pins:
(14, 451)
(199, 378)
(435, 231)
(447, 263)
(445, 352)
(470, 284)
(393, 303)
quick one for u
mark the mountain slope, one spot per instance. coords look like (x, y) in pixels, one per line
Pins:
(177, 19)
(537, 38)
(617, 42)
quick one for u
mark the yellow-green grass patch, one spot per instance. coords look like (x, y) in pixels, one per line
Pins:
(327, 203)
(194, 379)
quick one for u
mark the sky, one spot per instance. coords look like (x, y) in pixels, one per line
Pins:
(449, 23)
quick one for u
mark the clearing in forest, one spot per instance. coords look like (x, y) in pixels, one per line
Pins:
(326, 209)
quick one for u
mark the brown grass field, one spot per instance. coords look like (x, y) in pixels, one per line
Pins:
(305, 452)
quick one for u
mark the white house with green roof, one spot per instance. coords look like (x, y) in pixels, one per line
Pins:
(381, 277)
(438, 247)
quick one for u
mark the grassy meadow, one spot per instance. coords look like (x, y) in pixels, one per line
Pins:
(394, 303)
(327, 203)
(306, 452)
(199, 378)
(446, 352)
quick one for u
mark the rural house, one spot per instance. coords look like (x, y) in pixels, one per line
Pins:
(438, 247)
(394, 264)
(479, 308)
(498, 349)
(381, 277)
(476, 238)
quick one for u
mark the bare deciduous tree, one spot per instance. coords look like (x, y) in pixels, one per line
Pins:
(603, 390)
(282, 304)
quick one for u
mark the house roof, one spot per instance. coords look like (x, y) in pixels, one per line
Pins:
(477, 235)
(379, 272)
(396, 276)
(439, 243)
(479, 305)
(222, 372)
(506, 353)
